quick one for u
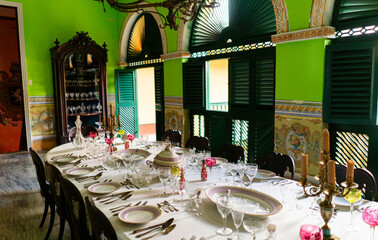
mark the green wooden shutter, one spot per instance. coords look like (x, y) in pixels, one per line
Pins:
(265, 82)
(217, 135)
(350, 94)
(159, 101)
(355, 13)
(239, 71)
(262, 138)
(194, 85)
(126, 100)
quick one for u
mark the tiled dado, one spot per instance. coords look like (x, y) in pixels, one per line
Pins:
(176, 118)
(297, 130)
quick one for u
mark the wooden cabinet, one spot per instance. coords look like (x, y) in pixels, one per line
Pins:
(79, 71)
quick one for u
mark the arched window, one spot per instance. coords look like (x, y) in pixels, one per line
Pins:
(229, 81)
(351, 83)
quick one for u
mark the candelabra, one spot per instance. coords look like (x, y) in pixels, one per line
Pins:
(327, 185)
(112, 128)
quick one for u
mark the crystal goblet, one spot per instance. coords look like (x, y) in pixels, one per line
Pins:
(224, 208)
(370, 216)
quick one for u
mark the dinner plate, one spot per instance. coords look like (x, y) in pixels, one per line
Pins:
(64, 159)
(247, 200)
(80, 171)
(139, 154)
(180, 151)
(264, 174)
(104, 188)
(220, 160)
(139, 214)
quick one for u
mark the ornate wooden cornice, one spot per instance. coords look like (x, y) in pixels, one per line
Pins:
(313, 33)
(175, 55)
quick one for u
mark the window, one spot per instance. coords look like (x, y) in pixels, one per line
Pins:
(198, 125)
(240, 134)
(217, 82)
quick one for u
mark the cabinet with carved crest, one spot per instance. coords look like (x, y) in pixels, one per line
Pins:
(79, 72)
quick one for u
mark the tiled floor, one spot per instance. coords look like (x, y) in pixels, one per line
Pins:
(21, 205)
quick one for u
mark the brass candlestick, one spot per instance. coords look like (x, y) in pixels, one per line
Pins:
(329, 191)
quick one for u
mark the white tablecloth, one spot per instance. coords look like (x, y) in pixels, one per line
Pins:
(288, 221)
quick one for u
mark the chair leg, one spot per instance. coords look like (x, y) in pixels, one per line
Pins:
(52, 217)
(44, 213)
(61, 228)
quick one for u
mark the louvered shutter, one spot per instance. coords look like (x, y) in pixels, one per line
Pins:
(218, 135)
(159, 101)
(240, 83)
(194, 85)
(356, 13)
(265, 82)
(262, 138)
(350, 94)
(126, 100)
(240, 135)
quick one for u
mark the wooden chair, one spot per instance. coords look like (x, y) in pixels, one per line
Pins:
(89, 201)
(174, 137)
(199, 143)
(55, 180)
(231, 152)
(366, 182)
(340, 173)
(75, 211)
(277, 163)
(85, 130)
(45, 190)
(101, 227)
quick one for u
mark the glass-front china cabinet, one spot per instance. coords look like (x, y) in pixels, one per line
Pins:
(79, 71)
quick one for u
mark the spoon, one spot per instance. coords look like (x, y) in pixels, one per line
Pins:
(166, 231)
(164, 226)
(169, 221)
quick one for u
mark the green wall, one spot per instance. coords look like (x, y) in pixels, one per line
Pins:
(173, 78)
(44, 21)
(299, 12)
(300, 70)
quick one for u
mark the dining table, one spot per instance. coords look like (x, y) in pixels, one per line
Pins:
(295, 208)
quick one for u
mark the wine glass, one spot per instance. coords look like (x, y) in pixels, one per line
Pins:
(370, 216)
(109, 141)
(210, 162)
(353, 196)
(93, 135)
(224, 208)
(164, 176)
(253, 225)
(234, 171)
(251, 171)
(237, 217)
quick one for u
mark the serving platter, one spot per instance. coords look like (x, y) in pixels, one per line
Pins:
(139, 214)
(252, 202)
(104, 188)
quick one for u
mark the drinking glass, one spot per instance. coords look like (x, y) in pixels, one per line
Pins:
(370, 216)
(234, 170)
(192, 191)
(164, 174)
(237, 217)
(224, 208)
(251, 171)
(93, 135)
(253, 225)
(353, 196)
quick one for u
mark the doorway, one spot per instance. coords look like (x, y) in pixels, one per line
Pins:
(12, 108)
(145, 78)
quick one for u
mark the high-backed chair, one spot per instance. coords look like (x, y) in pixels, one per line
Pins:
(231, 152)
(55, 180)
(366, 182)
(45, 190)
(277, 163)
(85, 130)
(340, 173)
(174, 137)
(75, 209)
(199, 143)
(101, 227)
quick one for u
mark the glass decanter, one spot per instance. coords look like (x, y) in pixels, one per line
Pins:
(78, 141)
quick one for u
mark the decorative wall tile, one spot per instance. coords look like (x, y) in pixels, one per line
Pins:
(42, 117)
(280, 10)
(175, 115)
(298, 128)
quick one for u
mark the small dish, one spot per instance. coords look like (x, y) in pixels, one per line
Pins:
(64, 159)
(139, 214)
(139, 154)
(104, 188)
(80, 171)
(264, 174)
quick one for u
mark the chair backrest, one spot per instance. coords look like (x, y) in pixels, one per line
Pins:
(340, 173)
(75, 211)
(89, 201)
(40, 169)
(85, 130)
(231, 152)
(174, 137)
(55, 180)
(101, 227)
(199, 143)
(277, 163)
(366, 182)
